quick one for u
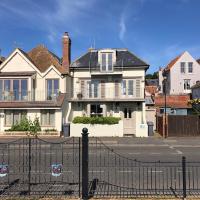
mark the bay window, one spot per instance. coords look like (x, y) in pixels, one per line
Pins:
(13, 89)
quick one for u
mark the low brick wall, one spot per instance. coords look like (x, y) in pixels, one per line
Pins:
(22, 133)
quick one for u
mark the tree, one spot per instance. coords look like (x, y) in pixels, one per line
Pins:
(152, 76)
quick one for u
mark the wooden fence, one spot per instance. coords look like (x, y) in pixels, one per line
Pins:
(179, 125)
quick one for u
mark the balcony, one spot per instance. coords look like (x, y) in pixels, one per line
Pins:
(108, 94)
(98, 71)
(8, 96)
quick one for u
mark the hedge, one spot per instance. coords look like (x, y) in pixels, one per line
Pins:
(96, 120)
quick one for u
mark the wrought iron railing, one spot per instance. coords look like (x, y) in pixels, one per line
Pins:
(107, 93)
(37, 167)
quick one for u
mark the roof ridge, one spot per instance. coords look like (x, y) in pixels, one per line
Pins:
(173, 61)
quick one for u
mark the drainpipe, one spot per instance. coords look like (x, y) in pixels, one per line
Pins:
(69, 111)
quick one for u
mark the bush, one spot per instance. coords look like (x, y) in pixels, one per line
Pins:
(27, 125)
(96, 120)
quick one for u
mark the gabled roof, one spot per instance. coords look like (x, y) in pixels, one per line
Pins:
(172, 62)
(43, 59)
(124, 58)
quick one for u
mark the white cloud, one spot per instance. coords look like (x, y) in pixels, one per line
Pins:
(59, 17)
(122, 27)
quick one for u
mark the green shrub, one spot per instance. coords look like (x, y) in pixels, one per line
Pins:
(96, 120)
(27, 125)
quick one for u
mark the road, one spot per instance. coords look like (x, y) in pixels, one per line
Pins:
(116, 165)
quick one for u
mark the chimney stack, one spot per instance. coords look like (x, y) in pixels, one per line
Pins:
(66, 42)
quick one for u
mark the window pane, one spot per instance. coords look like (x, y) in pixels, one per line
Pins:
(123, 87)
(16, 89)
(190, 67)
(6, 89)
(8, 119)
(130, 87)
(103, 62)
(96, 110)
(43, 117)
(89, 89)
(56, 86)
(95, 85)
(24, 89)
(49, 89)
(16, 118)
(110, 64)
(1, 89)
(182, 67)
(52, 117)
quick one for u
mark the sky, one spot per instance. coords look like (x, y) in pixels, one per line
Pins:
(154, 30)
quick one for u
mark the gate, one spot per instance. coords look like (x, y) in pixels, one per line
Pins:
(33, 166)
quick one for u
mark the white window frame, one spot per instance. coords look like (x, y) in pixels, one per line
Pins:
(91, 88)
(107, 62)
(47, 115)
(12, 112)
(182, 67)
(190, 67)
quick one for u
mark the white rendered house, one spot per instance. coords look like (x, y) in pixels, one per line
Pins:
(34, 84)
(110, 82)
(182, 73)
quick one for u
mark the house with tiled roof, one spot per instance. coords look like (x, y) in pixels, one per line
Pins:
(110, 82)
(182, 72)
(175, 104)
(35, 84)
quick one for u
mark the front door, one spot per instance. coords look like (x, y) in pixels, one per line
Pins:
(129, 121)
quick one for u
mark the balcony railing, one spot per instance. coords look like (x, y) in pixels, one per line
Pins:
(28, 96)
(108, 94)
(98, 70)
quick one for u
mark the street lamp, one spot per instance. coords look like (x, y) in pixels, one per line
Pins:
(165, 93)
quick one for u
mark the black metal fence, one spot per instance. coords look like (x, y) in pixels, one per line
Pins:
(89, 168)
(32, 166)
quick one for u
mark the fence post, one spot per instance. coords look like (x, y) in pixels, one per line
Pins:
(184, 177)
(29, 166)
(84, 163)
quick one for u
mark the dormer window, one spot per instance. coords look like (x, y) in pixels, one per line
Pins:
(107, 62)
(106, 59)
